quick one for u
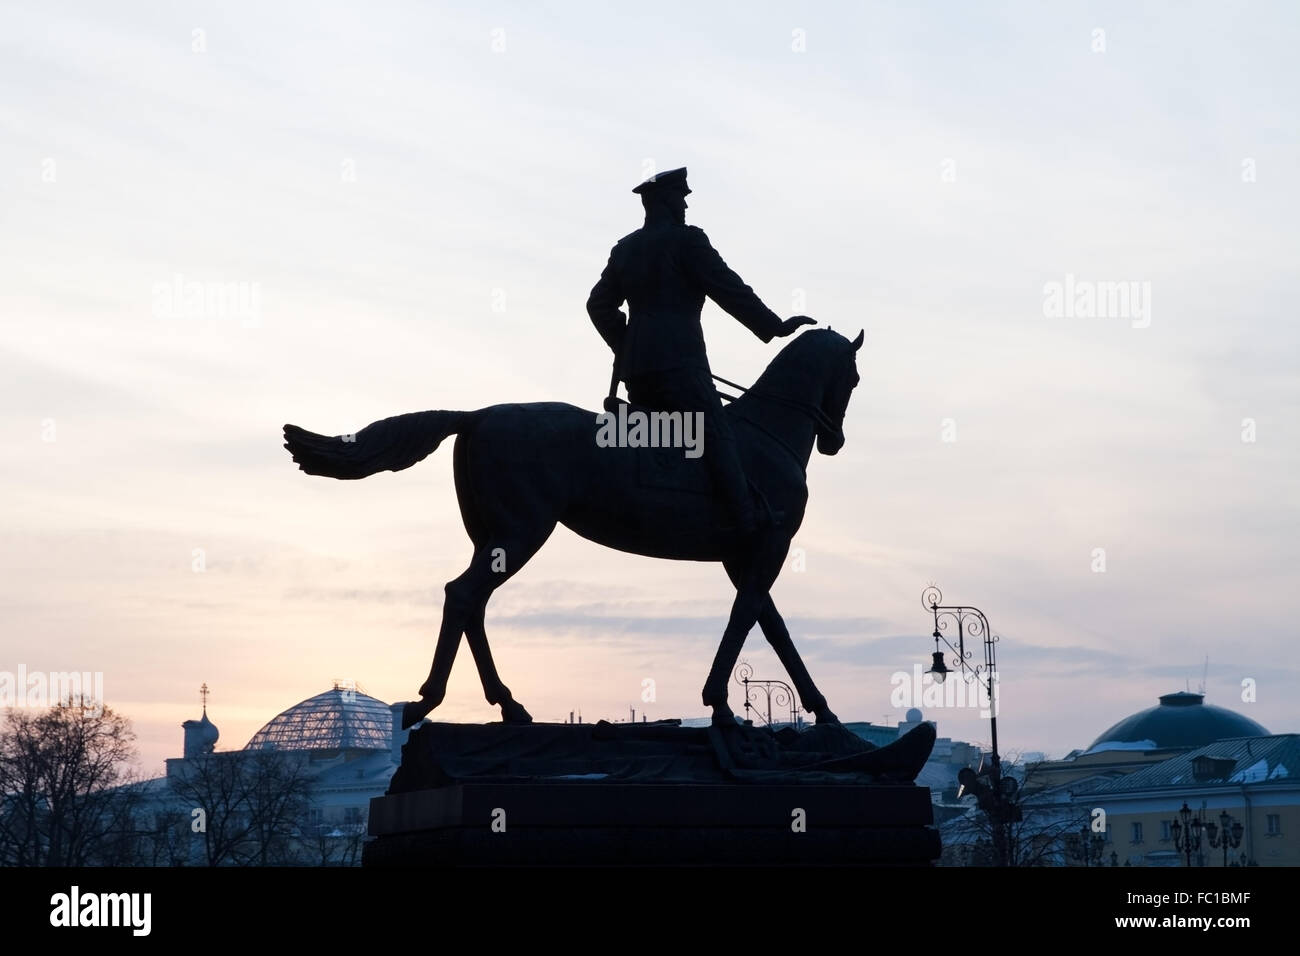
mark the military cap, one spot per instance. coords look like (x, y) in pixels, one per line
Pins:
(671, 179)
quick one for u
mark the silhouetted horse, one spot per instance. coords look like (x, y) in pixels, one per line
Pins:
(522, 468)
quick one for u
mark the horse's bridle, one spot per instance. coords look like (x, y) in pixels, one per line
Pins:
(818, 416)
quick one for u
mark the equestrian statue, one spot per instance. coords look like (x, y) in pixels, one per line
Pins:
(520, 469)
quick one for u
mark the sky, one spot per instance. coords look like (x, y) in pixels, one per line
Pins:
(408, 204)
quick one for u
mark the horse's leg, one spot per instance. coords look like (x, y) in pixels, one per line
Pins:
(456, 609)
(755, 578)
(496, 559)
(778, 635)
(512, 712)
(509, 513)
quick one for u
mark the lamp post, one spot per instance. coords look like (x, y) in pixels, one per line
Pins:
(1088, 847)
(1226, 834)
(1186, 828)
(777, 691)
(994, 793)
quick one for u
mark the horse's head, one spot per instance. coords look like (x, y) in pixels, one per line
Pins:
(841, 379)
(817, 372)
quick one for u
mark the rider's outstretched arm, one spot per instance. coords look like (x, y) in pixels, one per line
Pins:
(724, 287)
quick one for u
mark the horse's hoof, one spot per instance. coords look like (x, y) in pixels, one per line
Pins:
(430, 696)
(413, 711)
(512, 712)
(724, 717)
(826, 717)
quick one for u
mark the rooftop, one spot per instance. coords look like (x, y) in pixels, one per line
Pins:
(339, 719)
(1181, 721)
(1242, 760)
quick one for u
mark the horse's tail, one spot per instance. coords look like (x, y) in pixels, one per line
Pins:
(388, 445)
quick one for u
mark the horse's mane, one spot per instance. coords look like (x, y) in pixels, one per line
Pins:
(802, 358)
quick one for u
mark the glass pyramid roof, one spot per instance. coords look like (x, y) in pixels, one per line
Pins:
(339, 719)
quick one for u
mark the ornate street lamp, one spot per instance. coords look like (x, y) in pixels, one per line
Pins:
(994, 793)
(1088, 847)
(1226, 834)
(774, 692)
(1187, 832)
(938, 668)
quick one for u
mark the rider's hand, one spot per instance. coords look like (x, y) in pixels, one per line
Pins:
(793, 324)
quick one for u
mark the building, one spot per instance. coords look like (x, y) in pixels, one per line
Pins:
(1179, 722)
(334, 751)
(1254, 780)
(1136, 776)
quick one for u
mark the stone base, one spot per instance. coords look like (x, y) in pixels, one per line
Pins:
(479, 795)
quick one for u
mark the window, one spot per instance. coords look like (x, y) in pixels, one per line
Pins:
(352, 816)
(1136, 832)
(1274, 824)
(1165, 833)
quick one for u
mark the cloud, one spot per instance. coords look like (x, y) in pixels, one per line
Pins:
(451, 270)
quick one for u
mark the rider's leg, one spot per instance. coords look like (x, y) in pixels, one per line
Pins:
(691, 391)
(723, 461)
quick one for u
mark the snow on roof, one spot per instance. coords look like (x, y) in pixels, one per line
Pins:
(1256, 771)
(1122, 745)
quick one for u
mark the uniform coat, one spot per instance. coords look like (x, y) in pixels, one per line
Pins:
(664, 272)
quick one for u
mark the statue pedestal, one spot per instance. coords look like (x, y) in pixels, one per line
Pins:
(652, 794)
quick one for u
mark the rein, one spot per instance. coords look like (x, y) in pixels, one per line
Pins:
(808, 408)
(794, 455)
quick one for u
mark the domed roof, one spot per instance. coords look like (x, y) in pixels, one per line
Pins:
(206, 729)
(1180, 720)
(201, 735)
(339, 719)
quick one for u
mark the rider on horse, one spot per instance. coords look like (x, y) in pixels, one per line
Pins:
(664, 271)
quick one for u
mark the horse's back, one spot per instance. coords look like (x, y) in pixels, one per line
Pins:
(532, 431)
(605, 482)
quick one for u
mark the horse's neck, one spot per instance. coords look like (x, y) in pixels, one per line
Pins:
(787, 424)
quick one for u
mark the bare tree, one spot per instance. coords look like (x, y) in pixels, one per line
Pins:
(213, 784)
(254, 805)
(67, 793)
(281, 787)
(1037, 838)
(164, 837)
(335, 845)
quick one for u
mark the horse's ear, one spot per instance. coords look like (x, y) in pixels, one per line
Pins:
(857, 343)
